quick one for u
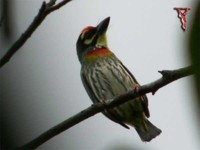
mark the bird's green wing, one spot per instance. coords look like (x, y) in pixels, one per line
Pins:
(143, 98)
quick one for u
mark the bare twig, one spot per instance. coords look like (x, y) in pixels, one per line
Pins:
(45, 9)
(168, 76)
(5, 18)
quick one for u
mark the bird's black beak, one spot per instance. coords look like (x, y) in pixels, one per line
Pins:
(102, 26)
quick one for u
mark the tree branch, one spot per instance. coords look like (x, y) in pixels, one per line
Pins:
(45, 9)
(168, 76)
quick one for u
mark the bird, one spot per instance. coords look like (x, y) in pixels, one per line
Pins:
(105, 77)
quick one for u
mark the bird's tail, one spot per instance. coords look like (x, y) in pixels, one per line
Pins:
(149, 132)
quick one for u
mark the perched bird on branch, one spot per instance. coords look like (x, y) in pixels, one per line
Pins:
(105, 77)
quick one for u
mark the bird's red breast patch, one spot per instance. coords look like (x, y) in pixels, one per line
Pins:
(99, 52)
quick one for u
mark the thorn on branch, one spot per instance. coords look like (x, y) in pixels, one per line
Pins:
(43, 7)
(51, 3)
(164, 73)
(154, 91)
(167, 74)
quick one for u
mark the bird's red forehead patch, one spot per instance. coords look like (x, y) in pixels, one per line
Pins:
(87, 29)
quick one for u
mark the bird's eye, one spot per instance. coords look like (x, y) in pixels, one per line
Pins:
(88, 37)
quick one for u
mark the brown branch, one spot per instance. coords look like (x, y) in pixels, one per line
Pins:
(45, 9)
(168, 76)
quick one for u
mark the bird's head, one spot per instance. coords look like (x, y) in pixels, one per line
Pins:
(92, 38)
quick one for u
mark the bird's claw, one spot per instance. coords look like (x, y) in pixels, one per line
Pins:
(136, 88)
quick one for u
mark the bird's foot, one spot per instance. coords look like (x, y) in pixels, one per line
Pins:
(136, 88)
